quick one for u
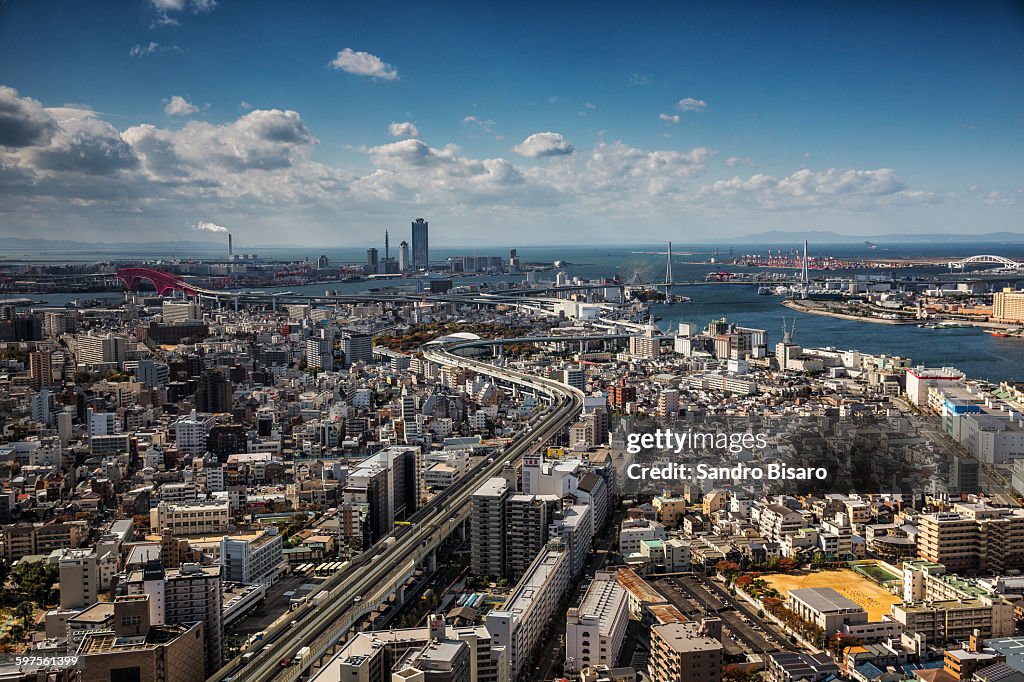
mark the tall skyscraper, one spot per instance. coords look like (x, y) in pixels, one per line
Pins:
(403, 256)
(420, 250)
(371, 261)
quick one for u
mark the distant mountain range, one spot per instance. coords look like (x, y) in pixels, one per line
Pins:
(38, 244)
(825, 237)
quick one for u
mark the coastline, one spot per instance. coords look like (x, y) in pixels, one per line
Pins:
(802, 307)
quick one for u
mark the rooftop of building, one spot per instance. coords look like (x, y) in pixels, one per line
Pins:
(667, 613)
(685, 637)
(97, 613)
(531, 584)
(492, 487)
(638, 587)
(106, 642)
(604, 598)
(824, 599)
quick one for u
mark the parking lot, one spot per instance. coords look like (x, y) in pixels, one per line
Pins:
(695, 597)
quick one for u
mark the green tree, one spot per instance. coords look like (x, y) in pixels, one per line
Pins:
(25, 610)
(35, 580)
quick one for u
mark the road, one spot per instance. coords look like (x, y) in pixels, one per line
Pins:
(373, 574)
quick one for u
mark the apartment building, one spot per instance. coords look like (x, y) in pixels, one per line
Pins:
(527, 520)
(595, 631)
(973, 538)
(520, 621)
(190, 432)
(185, 595)
(487, 528)
(1008, 306)
(776, 521)
(634, 531)
(684, 652)
(84, 575)
(95, 349)
(24, 539)
(955, 620)
(252, 559)
(573, 524)
(197, 518)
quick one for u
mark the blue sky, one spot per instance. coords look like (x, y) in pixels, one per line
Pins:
(144, 118)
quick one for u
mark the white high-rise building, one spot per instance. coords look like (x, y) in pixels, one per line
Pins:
(190, 433)
(596, 630)
(519, 624)
(319, 354)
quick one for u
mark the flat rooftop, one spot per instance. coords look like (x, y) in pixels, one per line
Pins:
(604, 598)
(531, 584)
(825, 599)
(686, 637)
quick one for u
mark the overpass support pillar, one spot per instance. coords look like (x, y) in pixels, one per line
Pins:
(432, 561)
(399, 596)
(236, 304)
(461, 530)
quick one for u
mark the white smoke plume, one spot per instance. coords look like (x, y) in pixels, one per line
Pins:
(207, 226)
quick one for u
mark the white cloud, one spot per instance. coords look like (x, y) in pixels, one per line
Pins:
(68, 166)
(996, 198)
(544, 144)
(734, 161)
(404, 129)
(23, 121)
(619, 167)
(363, 64)
(484, 124)
(640, 79)
(260, 140)
(179, 106)
(207, 226)
(82, 145)
(142, 51)
(165, 8)
(196, 6)
(833, 188)
(691, 104)
(669, 118)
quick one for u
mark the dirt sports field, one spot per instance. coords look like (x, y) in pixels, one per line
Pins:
(875, 599)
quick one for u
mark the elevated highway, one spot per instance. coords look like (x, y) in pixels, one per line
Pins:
(370, 580)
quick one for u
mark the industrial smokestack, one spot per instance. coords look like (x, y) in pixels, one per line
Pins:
(229, 246)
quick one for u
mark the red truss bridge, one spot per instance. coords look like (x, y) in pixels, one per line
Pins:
(162, 281)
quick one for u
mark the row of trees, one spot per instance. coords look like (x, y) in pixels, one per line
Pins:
(771, 599)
